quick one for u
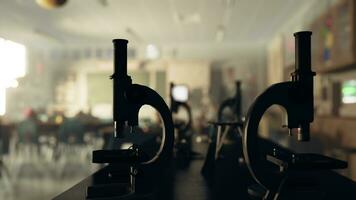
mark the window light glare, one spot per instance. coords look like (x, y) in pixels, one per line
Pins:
(2, 101)
(14, 84)
(180, 93)
(12, 66)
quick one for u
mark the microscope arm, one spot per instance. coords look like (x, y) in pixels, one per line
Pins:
(141, 95)
(277, 94)
(227, 103)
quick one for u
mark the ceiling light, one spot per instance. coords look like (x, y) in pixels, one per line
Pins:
(104, 3)
(132, 33)
(193, 18)
(152, 52)
(220, 34)
(51, 4)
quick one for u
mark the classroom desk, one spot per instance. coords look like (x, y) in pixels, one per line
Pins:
(230, 181)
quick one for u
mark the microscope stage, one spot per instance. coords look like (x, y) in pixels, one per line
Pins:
(306, 161)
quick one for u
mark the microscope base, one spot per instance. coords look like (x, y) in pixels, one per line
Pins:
(290, 190)
(294, 187)
(97, 187)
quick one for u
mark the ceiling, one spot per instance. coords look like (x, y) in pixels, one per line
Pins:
(191, 25)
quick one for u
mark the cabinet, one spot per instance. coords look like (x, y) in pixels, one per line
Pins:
(333, 44)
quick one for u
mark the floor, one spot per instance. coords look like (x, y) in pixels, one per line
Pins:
(27, 177)
(189, 183)
(33, 174)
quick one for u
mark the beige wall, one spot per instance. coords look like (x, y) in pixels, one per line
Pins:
(195, 74)
(275, 61)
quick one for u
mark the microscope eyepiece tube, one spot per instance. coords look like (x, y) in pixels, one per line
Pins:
(304, 75)
(120, 83)
(303, 51)
(120, 57)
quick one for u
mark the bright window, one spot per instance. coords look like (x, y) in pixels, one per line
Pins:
(12, 66)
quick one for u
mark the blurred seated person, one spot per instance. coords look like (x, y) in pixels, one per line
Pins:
(71, 130)
(2, 132)
(28, 128)
(56, 117)
(6, 129)
(87, 118)
(92, 124)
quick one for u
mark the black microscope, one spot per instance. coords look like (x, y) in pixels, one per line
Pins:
(224, 128)
(233, 103)
(129, 173)
(179, 97)
(277, 171)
